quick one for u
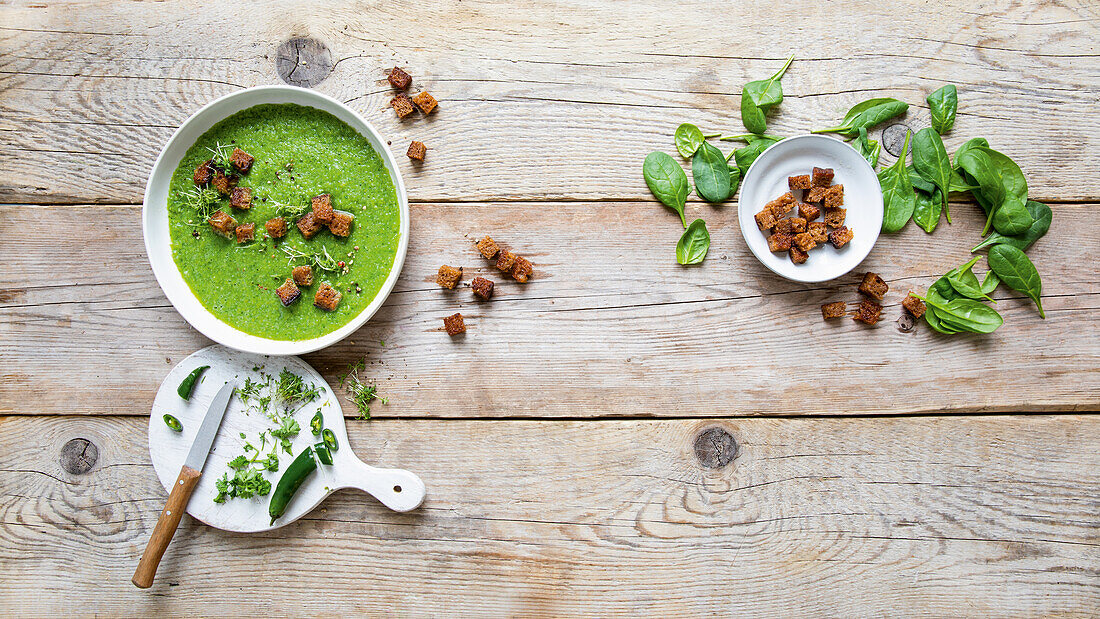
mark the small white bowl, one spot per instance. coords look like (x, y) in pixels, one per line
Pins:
(767, 180)
(158, 241)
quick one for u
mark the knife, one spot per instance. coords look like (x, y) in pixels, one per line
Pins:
(182, 489)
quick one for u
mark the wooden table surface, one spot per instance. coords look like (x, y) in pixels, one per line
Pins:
(622, 434)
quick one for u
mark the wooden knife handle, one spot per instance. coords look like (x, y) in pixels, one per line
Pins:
(166, 526)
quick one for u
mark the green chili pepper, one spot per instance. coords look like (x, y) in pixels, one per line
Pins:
(317, 423)
(188, 383)
(173, 423)
(323, 454)
(289, 483)
(330, 440)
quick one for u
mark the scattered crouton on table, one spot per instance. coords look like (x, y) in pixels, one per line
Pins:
(448, 276)
(505, 261)
(488, 248)
(868, 312)
(399, 79)
(913, 305)
(873, 286)
(454, 325)
(833, 310)
(416, 151)
(403, 105)
(425, 102)
(482, 287)
(521, 269)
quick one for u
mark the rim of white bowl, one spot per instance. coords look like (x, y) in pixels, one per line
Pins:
(164, 266)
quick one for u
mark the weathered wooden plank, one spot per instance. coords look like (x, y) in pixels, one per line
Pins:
(540, 103)
(970, 516)
(606, 328)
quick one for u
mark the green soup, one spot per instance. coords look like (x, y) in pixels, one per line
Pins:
(299, 152)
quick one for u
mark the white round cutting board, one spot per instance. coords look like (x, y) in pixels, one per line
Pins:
(397, 489)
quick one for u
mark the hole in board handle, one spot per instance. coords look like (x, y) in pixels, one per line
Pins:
(397, 488)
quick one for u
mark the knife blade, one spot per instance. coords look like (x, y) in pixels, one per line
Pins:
(185, 484)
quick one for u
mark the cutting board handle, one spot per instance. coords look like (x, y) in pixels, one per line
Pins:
(166, 526)
(397, 489)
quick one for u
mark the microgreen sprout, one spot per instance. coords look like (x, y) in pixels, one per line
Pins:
(361, 394)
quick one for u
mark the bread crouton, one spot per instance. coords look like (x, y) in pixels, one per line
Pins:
(241, 198)
(454, 325)
(840, 237)
(833, 310)
(522, 269)
(222, 223)
(416, 151)
(403, 105)
(822, 177)
(798, 182)
(488, 248)
(815, 194)
(245, 233)
(399, 79)
(204, 173)
(798, 225)
(505, 261)
(241, 161)
(276, 227)
(873, 286)
(805, 241)
(819, 231)
(913, 305)
(784, 226)
(341, 223)
(780, 241)
(309, 226)
(223, 183)
(834, 217)
(288, 292)
(327, 297)
(322, 208)
(303, 275)
(834, 196)
(797, 255)
(482, 287)
(868, 312)
(809, 212)
(448, 276)
(781, 205)
(766, 219)
(425, 102)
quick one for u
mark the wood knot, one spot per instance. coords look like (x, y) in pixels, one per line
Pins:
(79, 455)
(303, 62)
(906, 323)
(715, 448)
(893, 138)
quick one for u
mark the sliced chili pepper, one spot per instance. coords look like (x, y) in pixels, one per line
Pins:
(173, 423)
(317, 423)
(289, 483)
(323, 454)
(188, 384)
(330, 440)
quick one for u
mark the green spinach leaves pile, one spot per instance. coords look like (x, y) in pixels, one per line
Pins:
(919, 192)
(715, 177)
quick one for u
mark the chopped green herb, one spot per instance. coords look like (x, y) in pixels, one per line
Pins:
(361, 394)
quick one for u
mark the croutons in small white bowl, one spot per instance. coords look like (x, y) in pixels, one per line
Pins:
(158, 243)
(767, 179)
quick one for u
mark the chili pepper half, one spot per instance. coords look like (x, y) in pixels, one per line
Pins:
(289, 483)
(330, 440)
(317, 423)
(323, 454)
(188, 384)
(173, 423)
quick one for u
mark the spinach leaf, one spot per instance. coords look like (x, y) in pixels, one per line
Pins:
(870, 149)
(866, 114)
(667, 180)
(943, 104)
(931, 161)
(1011, 215)
(898, 199)
(964, 282)
(711, 173)
(940, 291)
(1041, 215)
(688, 139)
(745, 155)
(759, 96)
(990, 283)
(928, 207)
(919, 182)
(1015, 269)
(749, 137)
(693, 245)
(735, 177)
(964, 315)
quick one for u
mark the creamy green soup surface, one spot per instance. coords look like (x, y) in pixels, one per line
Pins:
(299, 152)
